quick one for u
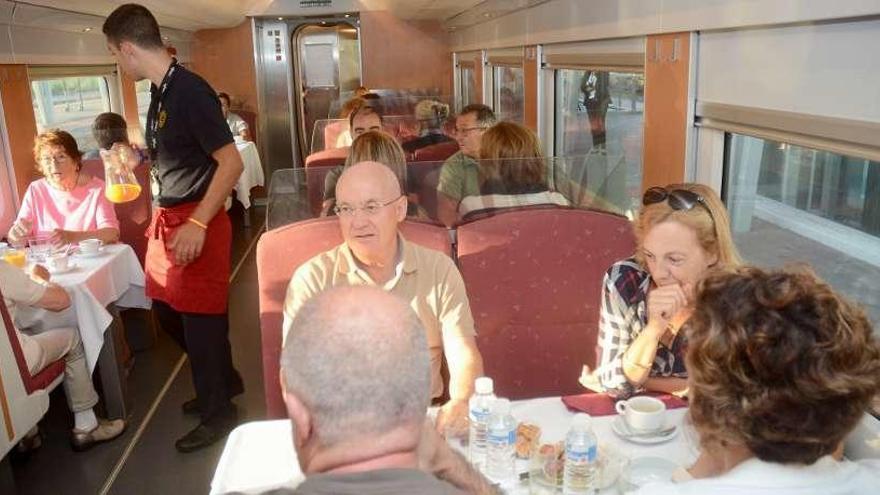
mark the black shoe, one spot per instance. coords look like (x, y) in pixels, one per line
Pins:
(207, 433)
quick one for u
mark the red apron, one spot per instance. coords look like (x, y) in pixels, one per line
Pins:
(201, 286)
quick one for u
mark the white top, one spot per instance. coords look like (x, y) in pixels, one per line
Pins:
(825, 476)
(236, 123)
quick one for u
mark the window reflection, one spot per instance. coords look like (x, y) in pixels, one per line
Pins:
(468, 86)
(792, 204)
(508, 93)
(600, 115)
(142, 90)
(71, 104)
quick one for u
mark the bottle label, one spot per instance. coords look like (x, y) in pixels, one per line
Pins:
(588, 455)
(500, 438)
(479, 415)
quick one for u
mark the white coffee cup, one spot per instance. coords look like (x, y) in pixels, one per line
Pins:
(89, 246)
(643, 414)
(58, 262)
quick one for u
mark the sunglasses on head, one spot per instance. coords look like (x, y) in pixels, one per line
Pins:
(678, 199)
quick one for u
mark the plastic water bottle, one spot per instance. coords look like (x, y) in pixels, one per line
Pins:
(479, 407)
(501, 443)
(580, 473)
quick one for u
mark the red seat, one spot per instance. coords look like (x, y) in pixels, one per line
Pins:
(279, 253)
(327, 158)
(534, 280)
(44, 378)
(422, 179)
(435, 152)
(134, 216)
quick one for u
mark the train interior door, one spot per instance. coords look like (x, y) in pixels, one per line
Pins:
(327, 70)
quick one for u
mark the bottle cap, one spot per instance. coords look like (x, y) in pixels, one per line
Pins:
(484, 385)
(501, 407)
(581, 421)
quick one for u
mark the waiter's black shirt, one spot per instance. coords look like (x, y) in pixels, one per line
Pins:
(191, 130)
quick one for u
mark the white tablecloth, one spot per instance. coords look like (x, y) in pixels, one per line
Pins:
(252, 175)
(113, 276)
(259, 456)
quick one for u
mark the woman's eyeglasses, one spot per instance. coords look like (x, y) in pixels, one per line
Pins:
(678, 199)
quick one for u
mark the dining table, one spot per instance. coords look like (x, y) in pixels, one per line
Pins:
(99, 284)
(259, 455)
(252, 174)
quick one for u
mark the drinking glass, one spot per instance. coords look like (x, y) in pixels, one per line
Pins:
(120, 183)
(39, 247)
(15, 257)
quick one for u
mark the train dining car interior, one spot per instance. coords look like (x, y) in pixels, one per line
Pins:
(439, 246)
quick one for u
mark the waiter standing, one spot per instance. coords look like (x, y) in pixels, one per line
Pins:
(194, 168)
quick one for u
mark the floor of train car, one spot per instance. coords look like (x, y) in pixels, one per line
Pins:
(151, 464)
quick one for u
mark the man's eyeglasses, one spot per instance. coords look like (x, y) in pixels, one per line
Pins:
(678, 199)
(369, 208)
(466, 130)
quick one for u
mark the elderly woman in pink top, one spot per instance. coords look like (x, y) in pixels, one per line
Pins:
(66, 205)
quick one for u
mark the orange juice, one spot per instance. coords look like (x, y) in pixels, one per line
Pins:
(121, 193)
(15, 257)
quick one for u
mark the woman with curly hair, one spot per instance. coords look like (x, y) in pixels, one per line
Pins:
(781, 369)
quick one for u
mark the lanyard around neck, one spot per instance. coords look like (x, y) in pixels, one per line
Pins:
(155, 116)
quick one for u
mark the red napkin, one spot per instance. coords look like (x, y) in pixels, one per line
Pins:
(603, 404)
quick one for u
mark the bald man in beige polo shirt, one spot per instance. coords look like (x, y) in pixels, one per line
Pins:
(370, 206)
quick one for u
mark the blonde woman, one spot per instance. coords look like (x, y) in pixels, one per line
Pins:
(431, 116)
(512, 172)
(371, 146)
(682, 234)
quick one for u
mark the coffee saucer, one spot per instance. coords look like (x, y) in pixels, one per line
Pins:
(623, 430)
(71, 266)
(97, 253)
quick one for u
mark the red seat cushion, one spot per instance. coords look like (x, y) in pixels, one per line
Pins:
(328, 158)
(44, 377)
(279, 253)
(435, 152)
(534, 279)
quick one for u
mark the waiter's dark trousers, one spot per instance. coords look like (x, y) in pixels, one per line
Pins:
(205, 338)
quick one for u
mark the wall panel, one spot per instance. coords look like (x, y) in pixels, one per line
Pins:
(21, 125)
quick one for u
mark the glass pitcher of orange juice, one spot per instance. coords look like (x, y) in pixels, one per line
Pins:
(120, 184)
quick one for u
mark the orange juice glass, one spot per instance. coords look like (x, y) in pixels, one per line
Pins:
(15, 257)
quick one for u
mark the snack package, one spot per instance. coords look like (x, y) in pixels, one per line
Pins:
(527, 436)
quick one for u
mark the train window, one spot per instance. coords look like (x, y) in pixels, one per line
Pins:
(142, 91)
(467, 83)
(601, 115)
(71, 104)
(508, 92)
(792, 204)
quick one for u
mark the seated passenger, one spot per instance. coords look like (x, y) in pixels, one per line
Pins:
(459, 176)
(46, 339)
(512, 172)
(370, 205)
(682, 233)
(372, 146)
(236, 124)
(357, 409)
(431, 116)
(363, 118)
(781, 369)
(343, 136)
(64, 204)
(107, 129)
